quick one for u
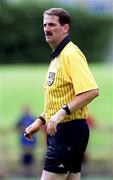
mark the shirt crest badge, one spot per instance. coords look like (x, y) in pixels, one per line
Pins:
(51, 78)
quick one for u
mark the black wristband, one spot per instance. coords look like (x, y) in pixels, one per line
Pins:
(65, 107)
(42, 119)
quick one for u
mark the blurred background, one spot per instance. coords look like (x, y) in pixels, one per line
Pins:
(24, 59)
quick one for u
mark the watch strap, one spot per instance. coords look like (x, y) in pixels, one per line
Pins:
(66, 108)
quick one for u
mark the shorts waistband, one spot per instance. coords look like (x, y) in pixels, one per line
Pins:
(74, 121)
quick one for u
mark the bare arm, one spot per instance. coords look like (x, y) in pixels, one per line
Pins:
(34, 127)
(78, 102)
(82, 99)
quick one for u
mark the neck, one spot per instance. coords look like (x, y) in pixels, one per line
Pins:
(55, 45)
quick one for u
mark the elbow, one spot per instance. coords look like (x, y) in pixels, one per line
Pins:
(96, 92)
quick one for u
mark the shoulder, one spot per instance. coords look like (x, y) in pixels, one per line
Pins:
(70, 48)
(72, 52)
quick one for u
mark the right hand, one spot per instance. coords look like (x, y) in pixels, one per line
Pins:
(33, 128)
(28, 136)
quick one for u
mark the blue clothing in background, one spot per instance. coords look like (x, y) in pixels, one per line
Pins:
(24, 122)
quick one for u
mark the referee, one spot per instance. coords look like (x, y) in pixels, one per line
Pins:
(69, 87)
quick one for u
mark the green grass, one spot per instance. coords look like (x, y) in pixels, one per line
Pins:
(20, 85)
(102, 107)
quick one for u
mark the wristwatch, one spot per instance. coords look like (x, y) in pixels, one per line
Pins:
(65, 107)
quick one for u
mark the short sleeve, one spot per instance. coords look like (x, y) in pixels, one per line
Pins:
(77, 72)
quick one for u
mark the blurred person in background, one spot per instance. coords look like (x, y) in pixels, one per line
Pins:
(69, 87)
(27, 147)
(86, 158)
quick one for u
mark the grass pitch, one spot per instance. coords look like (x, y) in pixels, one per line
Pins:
(21, 85)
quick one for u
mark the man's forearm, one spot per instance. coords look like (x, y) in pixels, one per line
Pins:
(35, 126)
(82, 100)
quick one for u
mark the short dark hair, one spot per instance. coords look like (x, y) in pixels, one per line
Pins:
(64, 16)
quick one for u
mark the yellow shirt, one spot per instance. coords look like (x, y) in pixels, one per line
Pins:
(68, 75)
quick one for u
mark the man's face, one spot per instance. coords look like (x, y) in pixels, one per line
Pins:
(54, 31)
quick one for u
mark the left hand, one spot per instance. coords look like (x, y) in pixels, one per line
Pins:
(52, 126)
(53, 122)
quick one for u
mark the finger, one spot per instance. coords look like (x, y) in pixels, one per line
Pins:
(28, 136)
(51, 130)
(28, 129)
(54, 127)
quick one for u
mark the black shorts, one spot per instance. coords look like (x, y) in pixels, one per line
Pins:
(66, 148)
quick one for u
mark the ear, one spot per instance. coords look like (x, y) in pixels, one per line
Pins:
(66, 28)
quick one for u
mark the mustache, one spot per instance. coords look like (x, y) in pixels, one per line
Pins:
(48, 33)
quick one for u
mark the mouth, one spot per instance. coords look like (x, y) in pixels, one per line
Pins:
(48, 34)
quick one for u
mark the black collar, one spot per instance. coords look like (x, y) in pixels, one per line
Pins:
(60, 47)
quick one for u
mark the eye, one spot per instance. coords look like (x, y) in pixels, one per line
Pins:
(44, 25)
(51, 24)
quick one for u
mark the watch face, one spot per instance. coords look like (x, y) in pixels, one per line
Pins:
(64, 106)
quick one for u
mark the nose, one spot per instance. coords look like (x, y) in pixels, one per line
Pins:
(46, 27)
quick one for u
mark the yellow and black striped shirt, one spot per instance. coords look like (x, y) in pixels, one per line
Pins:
(68, 75)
